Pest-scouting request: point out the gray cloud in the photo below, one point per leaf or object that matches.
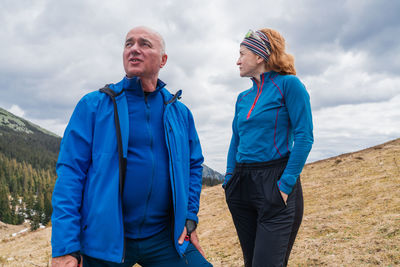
(347, 54)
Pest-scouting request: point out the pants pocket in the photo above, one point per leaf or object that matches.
(279, 196)
(230, 181)
(273, 203)
(231, 185)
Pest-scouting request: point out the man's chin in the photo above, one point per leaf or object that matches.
(132, 74)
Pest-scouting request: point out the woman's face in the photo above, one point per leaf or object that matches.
(249, 63)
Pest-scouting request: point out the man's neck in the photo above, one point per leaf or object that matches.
(149, 85)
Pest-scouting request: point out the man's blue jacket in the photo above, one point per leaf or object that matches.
(87, 204)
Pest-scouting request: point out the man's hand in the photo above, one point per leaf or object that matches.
(193, 239)
(284, 196)
(64, 261)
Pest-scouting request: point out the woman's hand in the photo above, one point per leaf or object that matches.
(284, 196)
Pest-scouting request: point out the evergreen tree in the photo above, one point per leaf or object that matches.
(47, 208)
(35, 222)
(5, 211)
(37, 213)
(29, 206)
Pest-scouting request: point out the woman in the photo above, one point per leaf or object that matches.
(272, 137)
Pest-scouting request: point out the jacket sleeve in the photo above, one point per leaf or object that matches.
(231, 160)
(72, 166)
(196, 171)
(298, 105)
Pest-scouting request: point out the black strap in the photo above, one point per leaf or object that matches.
(122, 160)
(77, 256)
(174, 97)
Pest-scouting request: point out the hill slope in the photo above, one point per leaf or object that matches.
(351, 218)
(26, 142)
(351, 213)
(28, 156)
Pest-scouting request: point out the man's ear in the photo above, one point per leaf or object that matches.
(163, 60)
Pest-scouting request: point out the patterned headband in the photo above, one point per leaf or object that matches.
(258, 43)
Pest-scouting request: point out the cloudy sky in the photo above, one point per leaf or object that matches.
(347, 54)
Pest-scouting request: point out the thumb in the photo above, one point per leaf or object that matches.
(182, 237)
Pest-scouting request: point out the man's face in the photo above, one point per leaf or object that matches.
(142, 54)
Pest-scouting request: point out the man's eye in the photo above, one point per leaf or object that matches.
(128, 44)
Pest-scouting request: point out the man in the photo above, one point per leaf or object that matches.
(129, 171)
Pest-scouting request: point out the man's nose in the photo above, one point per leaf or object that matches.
(134, 49)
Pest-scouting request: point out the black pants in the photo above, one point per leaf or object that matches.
(266, 226)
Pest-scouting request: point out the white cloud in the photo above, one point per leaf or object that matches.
(348, 128)
(346, 81)
(16, 110)
(346, 53)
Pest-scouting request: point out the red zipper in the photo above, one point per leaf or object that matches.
(259, 91)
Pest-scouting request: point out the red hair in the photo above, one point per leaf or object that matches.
(279, 61)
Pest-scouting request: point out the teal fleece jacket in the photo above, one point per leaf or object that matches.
(272, 120)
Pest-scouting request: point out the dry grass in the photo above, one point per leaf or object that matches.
(27, 249)
(351, 217)
(352, 210)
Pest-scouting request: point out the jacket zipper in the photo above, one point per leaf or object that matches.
(167, 129)
(172, 167)
(121, 161)
(152, 172)
(259, 91)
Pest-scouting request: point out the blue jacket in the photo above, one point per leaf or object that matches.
(87, 205)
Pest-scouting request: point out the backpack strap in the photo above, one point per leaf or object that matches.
(122, 161)
(176, 96)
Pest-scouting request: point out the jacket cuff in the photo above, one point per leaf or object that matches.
(228, 176)
(286, 183)
(193, 217)
(62, 251)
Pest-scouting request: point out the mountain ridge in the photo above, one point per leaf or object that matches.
(19, 124)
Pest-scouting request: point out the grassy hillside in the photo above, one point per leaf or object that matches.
(351, 218)
(351, 213)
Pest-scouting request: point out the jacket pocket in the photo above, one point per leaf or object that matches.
(183, 247)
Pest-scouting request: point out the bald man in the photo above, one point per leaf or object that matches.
(129, 171)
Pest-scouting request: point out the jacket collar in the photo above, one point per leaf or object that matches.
(133, 84)
(265, 75)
